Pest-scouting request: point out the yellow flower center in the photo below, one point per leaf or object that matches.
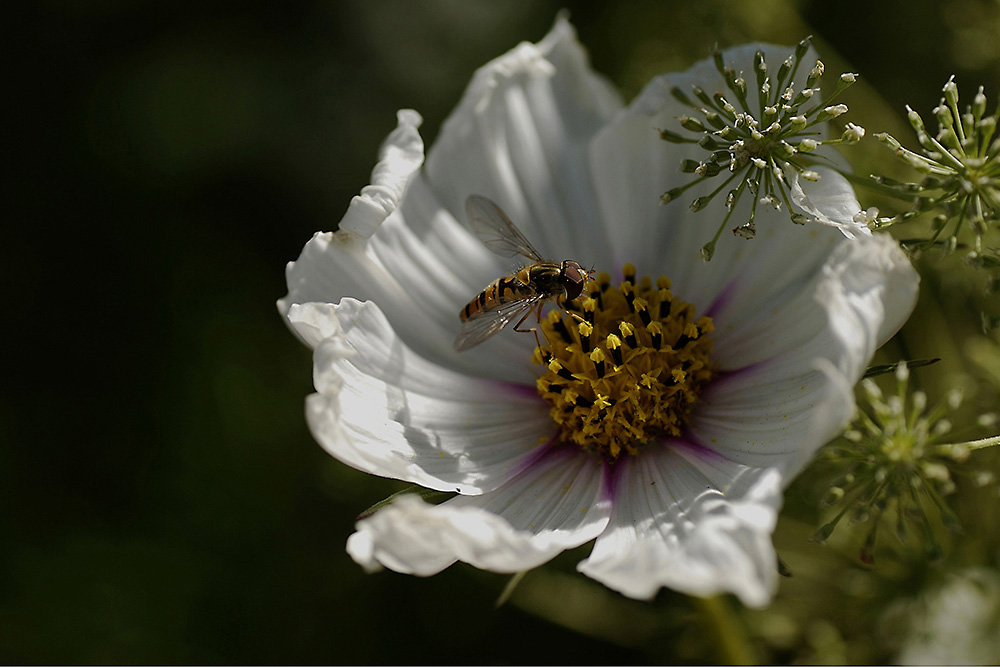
(625, 365)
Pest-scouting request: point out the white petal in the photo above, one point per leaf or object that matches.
(690, 520)
(829, 201)
(401, 269)
(557, 504)
(401, 155)
(855, 297)
(561, 498)
(412, 537)
(381, 408)
(762, 421)
(520, 136)
(334, 265)
(404, 252)
(779, 402)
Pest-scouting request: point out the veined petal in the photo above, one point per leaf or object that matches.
(688, 519)
(413, 537)
(781, 422)
(381, 408)
(851, 301)
(405, 252)
(828, 201)
(401, 269)
(334, 265)
(562, 498)
(780, 403)
(558, 503)
(520, 136)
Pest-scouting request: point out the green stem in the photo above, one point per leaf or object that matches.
(984, 443)
(734, 646)
(866, 182)
(508, 589)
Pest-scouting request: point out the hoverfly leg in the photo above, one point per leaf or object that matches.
(537, 310)
(561, 302)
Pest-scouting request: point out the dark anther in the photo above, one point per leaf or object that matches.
(564, 373)
(560, 328)
(644, 316)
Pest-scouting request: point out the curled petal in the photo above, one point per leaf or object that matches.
(793, 361)
(520, 136)
(557, 504)
(381, 408)
(829, 200)
(401, 155)
(689, 519)
(413, 537)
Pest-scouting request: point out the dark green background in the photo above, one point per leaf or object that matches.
(162, 498)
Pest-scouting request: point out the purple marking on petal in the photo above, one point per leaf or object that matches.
(518, 389)
(610, 479)
(613, 474)
(734, 374)
(542, 452)
(691, 444)
(722, 299)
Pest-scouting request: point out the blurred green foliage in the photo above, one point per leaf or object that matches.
(164, 502)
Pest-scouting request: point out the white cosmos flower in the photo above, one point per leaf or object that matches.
(691, 501)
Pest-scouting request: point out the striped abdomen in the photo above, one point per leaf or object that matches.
(500, 291)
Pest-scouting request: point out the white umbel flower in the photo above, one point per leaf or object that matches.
(691, 502)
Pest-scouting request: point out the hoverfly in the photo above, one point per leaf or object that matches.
(518, 294)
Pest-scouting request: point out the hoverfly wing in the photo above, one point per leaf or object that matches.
(496, 230)
(486, 323)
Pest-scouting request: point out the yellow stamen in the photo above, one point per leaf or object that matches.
(648, 392)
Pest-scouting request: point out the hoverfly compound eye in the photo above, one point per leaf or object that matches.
(573, 278)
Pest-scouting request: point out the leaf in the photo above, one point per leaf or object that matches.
(430, 495)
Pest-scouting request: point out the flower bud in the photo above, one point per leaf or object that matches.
(691, 124)
(979, 104)
(950, 90)
(852, 134)
(700, 203)
(673, 138)
(689, 166)
(836, 110)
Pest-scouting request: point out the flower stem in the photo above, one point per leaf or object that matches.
(508, 589)
(984, 443)
(734, 646)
